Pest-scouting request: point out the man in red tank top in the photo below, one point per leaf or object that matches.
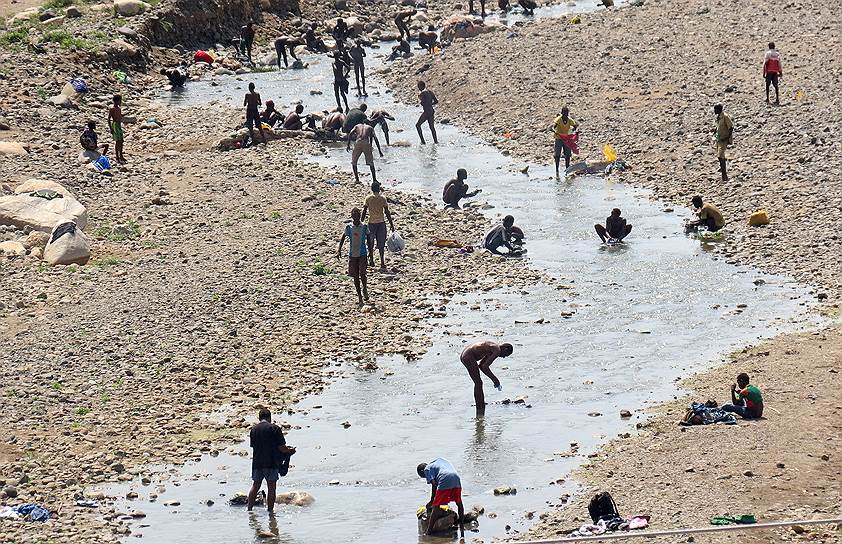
(772, 71)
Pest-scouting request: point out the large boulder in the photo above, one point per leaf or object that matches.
(129, 8)
(67, 245)
(32, 185)
(12, 148)
(24, 210)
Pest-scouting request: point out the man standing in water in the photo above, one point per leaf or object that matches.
(477, 357)
(340, 79)
(566, 135)
(252, 104)
(358, 59)
(364, 134)
(724, 137)
(287, 42)
(428, 100)
(268, 445)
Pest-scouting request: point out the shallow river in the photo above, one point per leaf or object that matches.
(643, 315)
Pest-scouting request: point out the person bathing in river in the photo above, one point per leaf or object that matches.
(334, 121)
(428, 101)
(340, 79)
(401, 20)
(477, 357)
(379, 117)
(505, 235)
(364, 135)
(402, 49)
(176, 76)
(709, 216)
(357, 54)
(615, 228)
(287, 42)
(446, 488)
(456, 189)
(566, 131)
(428, 39)
(746, 399)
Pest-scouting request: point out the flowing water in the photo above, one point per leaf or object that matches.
(628, 323)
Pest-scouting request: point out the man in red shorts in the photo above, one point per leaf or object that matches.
(446, 488)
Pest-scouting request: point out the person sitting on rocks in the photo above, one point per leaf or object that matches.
(379, 117)
(313, 42)
(270, 115)
(428, 39)
(294, 120)
(401, 50)
(456, 189)
(747, 401)
(287, 42)
(176, 76)
(401, 20)
(615, 228)
(89, 141)
(501, 236)
(709, 216)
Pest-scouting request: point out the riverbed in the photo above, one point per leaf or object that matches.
(615, 330)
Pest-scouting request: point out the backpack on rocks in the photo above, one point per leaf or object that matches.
(602, 506)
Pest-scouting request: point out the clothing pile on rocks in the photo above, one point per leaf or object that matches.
(607, 519)
(707, 414)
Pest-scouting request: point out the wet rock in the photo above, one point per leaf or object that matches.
(296, 498)
(172, 503)
(505, 490)
(625, 414)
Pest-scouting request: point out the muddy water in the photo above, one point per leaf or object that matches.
(615, 332)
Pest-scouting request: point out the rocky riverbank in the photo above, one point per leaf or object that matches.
(784, 467)
(213, 280)
(645, 79)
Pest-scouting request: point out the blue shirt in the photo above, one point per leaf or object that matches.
(443, 474)
(358, 238)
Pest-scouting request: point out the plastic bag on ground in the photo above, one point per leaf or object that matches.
(395, 242)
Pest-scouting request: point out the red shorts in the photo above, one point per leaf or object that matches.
(447, 496)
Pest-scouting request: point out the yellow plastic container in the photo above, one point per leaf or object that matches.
(758, 218)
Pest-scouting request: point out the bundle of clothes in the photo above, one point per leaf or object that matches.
(606, 518)
(27, 512)
(707, 414)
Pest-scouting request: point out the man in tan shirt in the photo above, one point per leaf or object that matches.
(377, 209)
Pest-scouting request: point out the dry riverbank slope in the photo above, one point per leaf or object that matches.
(646, 79)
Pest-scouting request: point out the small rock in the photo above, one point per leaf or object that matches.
(748, 473)
(798, 529)
(10, 492)
(505, 490)
(172, 503)
(346, 424)
(72, 12)
(625, 414)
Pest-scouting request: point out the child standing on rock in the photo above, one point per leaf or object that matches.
(357, 234)
(115, 123)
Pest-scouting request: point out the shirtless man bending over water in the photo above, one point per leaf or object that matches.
(477, 357)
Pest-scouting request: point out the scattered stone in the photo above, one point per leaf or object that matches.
(505, 490)
(625, 414)
(10, 492)
(72, 12)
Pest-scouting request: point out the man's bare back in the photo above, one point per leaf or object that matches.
(478, 352)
